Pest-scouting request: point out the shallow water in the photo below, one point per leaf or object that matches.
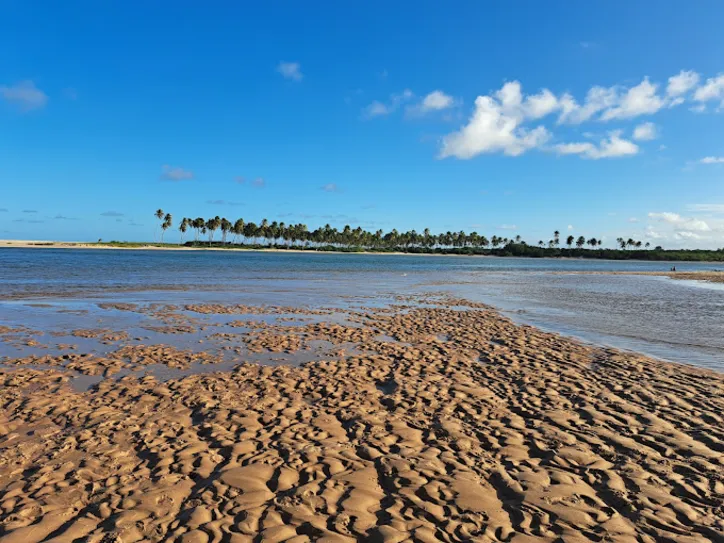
(52, 289)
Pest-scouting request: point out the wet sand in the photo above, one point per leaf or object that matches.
(711, 276)
(445, 422)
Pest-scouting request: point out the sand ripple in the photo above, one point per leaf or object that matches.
(465, 427)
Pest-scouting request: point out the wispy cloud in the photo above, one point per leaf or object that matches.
(259, 183)
(645, 132)
(64, 218)
(686, 223)
(290, 70)
(435, 101)
(330, 187)
(223, 203)
(112, 214)
(30, 210)
(706, 208)
(175, 173)
(24, 95)
(378, 109)
(712, 89)
(712, 160)
(706, 229)
(612, 147)
(239, 180)
(3, 210)
(29, 221)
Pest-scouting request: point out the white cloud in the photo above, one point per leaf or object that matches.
(713, 89)
(633, 220)
(24, 95)
(684, 234)
(495, 126)
(645, 132)
(377, 108)
(682, 83)
(597, 99)
(652, 233)
(541, 104)
(706, 208)
(570, 227)
(330, 187)
(688, 231)
(259, 183)
(685, 223)
(437, 100)
(712, 160)
(290, 70)
(175, 173)
(613, 147)
(501, 120)
(533, 106)
(639, 100)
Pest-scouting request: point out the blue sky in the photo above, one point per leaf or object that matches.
(599, 118)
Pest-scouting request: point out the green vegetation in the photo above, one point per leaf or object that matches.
(280, 236)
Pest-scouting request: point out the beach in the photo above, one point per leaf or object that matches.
(436, 419)
(211, 397)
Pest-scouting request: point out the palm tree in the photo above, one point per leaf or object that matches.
(225, 228)
(166, 224)
(569, 241)
(238, 229)
(580, 242)
(556, 238)
(211, 226)
(182, 228)
(250, 231)
(159, 215)
(199, 224)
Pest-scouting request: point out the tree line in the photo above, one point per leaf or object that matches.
(241, 232)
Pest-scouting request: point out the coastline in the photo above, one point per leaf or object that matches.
(447, 419)
(132, 246)
(20, 244)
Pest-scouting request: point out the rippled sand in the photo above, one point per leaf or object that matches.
(450, 423)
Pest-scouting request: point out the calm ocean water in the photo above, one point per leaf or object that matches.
(682, 321)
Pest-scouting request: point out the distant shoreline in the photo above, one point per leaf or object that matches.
(614, 255)
(20, 244)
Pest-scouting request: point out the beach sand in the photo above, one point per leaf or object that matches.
(451, 423)
(714, 276)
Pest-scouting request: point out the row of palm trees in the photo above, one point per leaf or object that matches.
(280, 233)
